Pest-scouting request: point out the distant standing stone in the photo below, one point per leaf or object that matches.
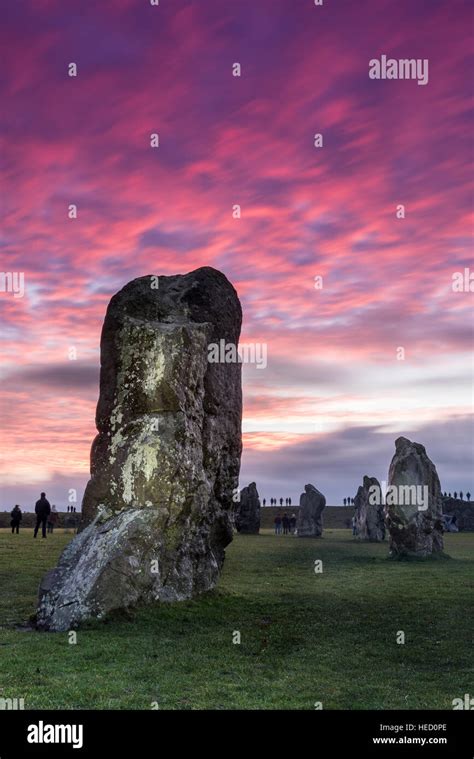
(369, 511)
(310, 520)
(414, 529)
(462, 510)
(247, 519)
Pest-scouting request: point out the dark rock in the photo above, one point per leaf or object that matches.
(450, 523)
(247, 518)
(413, 502)
(157, 509)
(310, 520)
(369, 511)
(462, 510)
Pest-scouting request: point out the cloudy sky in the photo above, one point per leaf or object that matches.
(335, 393)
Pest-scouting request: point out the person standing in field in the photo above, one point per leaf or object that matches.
(286, 524)
(277, 521)
(52, 519)
(293, 523)
(42, 510)
(16, 516)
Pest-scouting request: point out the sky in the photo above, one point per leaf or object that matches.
(337, 390)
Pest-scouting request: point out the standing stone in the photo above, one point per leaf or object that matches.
(310, 519)
(415, 524)
(462, 511)
(157, 511)
(369, 511)
(247, 518)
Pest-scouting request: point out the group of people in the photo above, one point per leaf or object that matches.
(46, 517)
(285, 524)
(273, 501)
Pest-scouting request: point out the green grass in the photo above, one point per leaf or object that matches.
(305, 637)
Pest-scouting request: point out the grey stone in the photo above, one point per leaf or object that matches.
(369, 511)
(157, 511)
(414, 530)
(462, 510)
(450, 523)
(247, 517)
(310, 520)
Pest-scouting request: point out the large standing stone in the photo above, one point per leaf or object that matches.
(247, 518)
(310, 519)
(369, 511)
(157, 509)
(414, 517)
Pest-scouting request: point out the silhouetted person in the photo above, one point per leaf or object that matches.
(468, 496)
(264, 501)
(460, 495)
(286, 524)
(293, 523)
(345, 501)
(455, 494)
(16, 516)
(277, 521)
(289, 501)
(354, 526)
(52, 519)
(281, 501)
(42, 510)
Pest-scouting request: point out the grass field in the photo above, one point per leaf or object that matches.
(305, 637)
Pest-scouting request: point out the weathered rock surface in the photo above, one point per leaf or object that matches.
(369, 511)
(157, 511)
(310, 519)
(416, 528)
(450, 523)
(247, 517)
(462, 510)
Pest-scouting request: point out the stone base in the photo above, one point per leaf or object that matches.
(120, 561)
